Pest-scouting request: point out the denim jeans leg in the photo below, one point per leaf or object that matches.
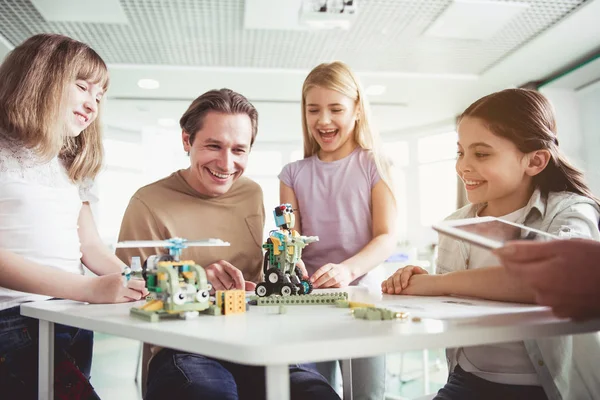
(306, 384)
(179, 375)
(329, 370)
(78, 344)
(463, 385)
(18, 355)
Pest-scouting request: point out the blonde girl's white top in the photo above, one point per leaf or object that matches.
(39, 211)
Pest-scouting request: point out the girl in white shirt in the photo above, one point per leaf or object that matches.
(511, 165)
(51, 89)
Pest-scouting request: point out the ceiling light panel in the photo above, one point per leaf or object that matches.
(386, 36)
(474, 19)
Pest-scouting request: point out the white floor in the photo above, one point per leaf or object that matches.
(115, 360)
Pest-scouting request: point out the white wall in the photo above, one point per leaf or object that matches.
(569, 129)
(578, 120)
(589, 108)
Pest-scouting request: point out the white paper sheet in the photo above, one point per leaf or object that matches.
(447, 308)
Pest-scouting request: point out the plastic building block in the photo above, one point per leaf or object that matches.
(352, 304)
(377, 314)
(178, 289)
(301, 300)
(231, 301)
(283, 250)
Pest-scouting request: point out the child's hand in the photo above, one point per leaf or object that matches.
(139, 285)
(425, 285)
(399, 281)
(332, 276)
(109, 289)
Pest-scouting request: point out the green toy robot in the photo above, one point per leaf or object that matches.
(283, 251)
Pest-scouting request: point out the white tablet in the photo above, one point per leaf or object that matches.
(489, 232)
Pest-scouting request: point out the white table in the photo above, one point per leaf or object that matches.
(303, 334)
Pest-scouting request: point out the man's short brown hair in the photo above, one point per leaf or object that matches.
(224, 101)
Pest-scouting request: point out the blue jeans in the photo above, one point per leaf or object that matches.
(19, 358)
(178, 375)
(466, 386)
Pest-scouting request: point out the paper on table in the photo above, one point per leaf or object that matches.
(454, 307)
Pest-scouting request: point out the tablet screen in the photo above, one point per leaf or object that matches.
(502, 232)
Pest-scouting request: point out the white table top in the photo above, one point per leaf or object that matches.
(308, 333)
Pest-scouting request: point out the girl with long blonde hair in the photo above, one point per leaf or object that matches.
(51, 91)
(342, 192)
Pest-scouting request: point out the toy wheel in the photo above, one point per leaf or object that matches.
(298, 272)
(287, 289)
(307, 286)
(273, 276)
(262, 290)
(266, 261)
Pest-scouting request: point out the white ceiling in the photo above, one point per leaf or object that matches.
(192, 46)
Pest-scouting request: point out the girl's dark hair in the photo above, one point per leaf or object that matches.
(526, 118)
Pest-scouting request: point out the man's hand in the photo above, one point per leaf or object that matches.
(332, 276)
(564, 274)
(224, 276)
(399, 281)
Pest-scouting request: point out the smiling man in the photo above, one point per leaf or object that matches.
(211, 199)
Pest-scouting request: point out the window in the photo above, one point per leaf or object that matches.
(115, 188)
(436, 180)
(264, 162)
(398, 155)
(437, 191)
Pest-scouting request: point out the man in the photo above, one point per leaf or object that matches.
(564, 274)
(211, 199)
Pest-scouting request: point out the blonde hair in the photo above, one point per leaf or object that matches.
(34, 83)
(339, 77)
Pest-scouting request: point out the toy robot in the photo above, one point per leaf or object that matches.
(178, 288)
(283, 250)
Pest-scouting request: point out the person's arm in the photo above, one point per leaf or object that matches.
(496, 283)
(95, 255)
(374, 253)
(18, 273)
(491, 283)
(384, 233)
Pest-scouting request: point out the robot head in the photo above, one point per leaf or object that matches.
(284, 216)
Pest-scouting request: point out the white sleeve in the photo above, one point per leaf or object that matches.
(88, 191)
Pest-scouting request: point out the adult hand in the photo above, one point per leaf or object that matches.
(224, 276)
(110, 289)
(564, 274)
(332, 276)
(399, 279)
